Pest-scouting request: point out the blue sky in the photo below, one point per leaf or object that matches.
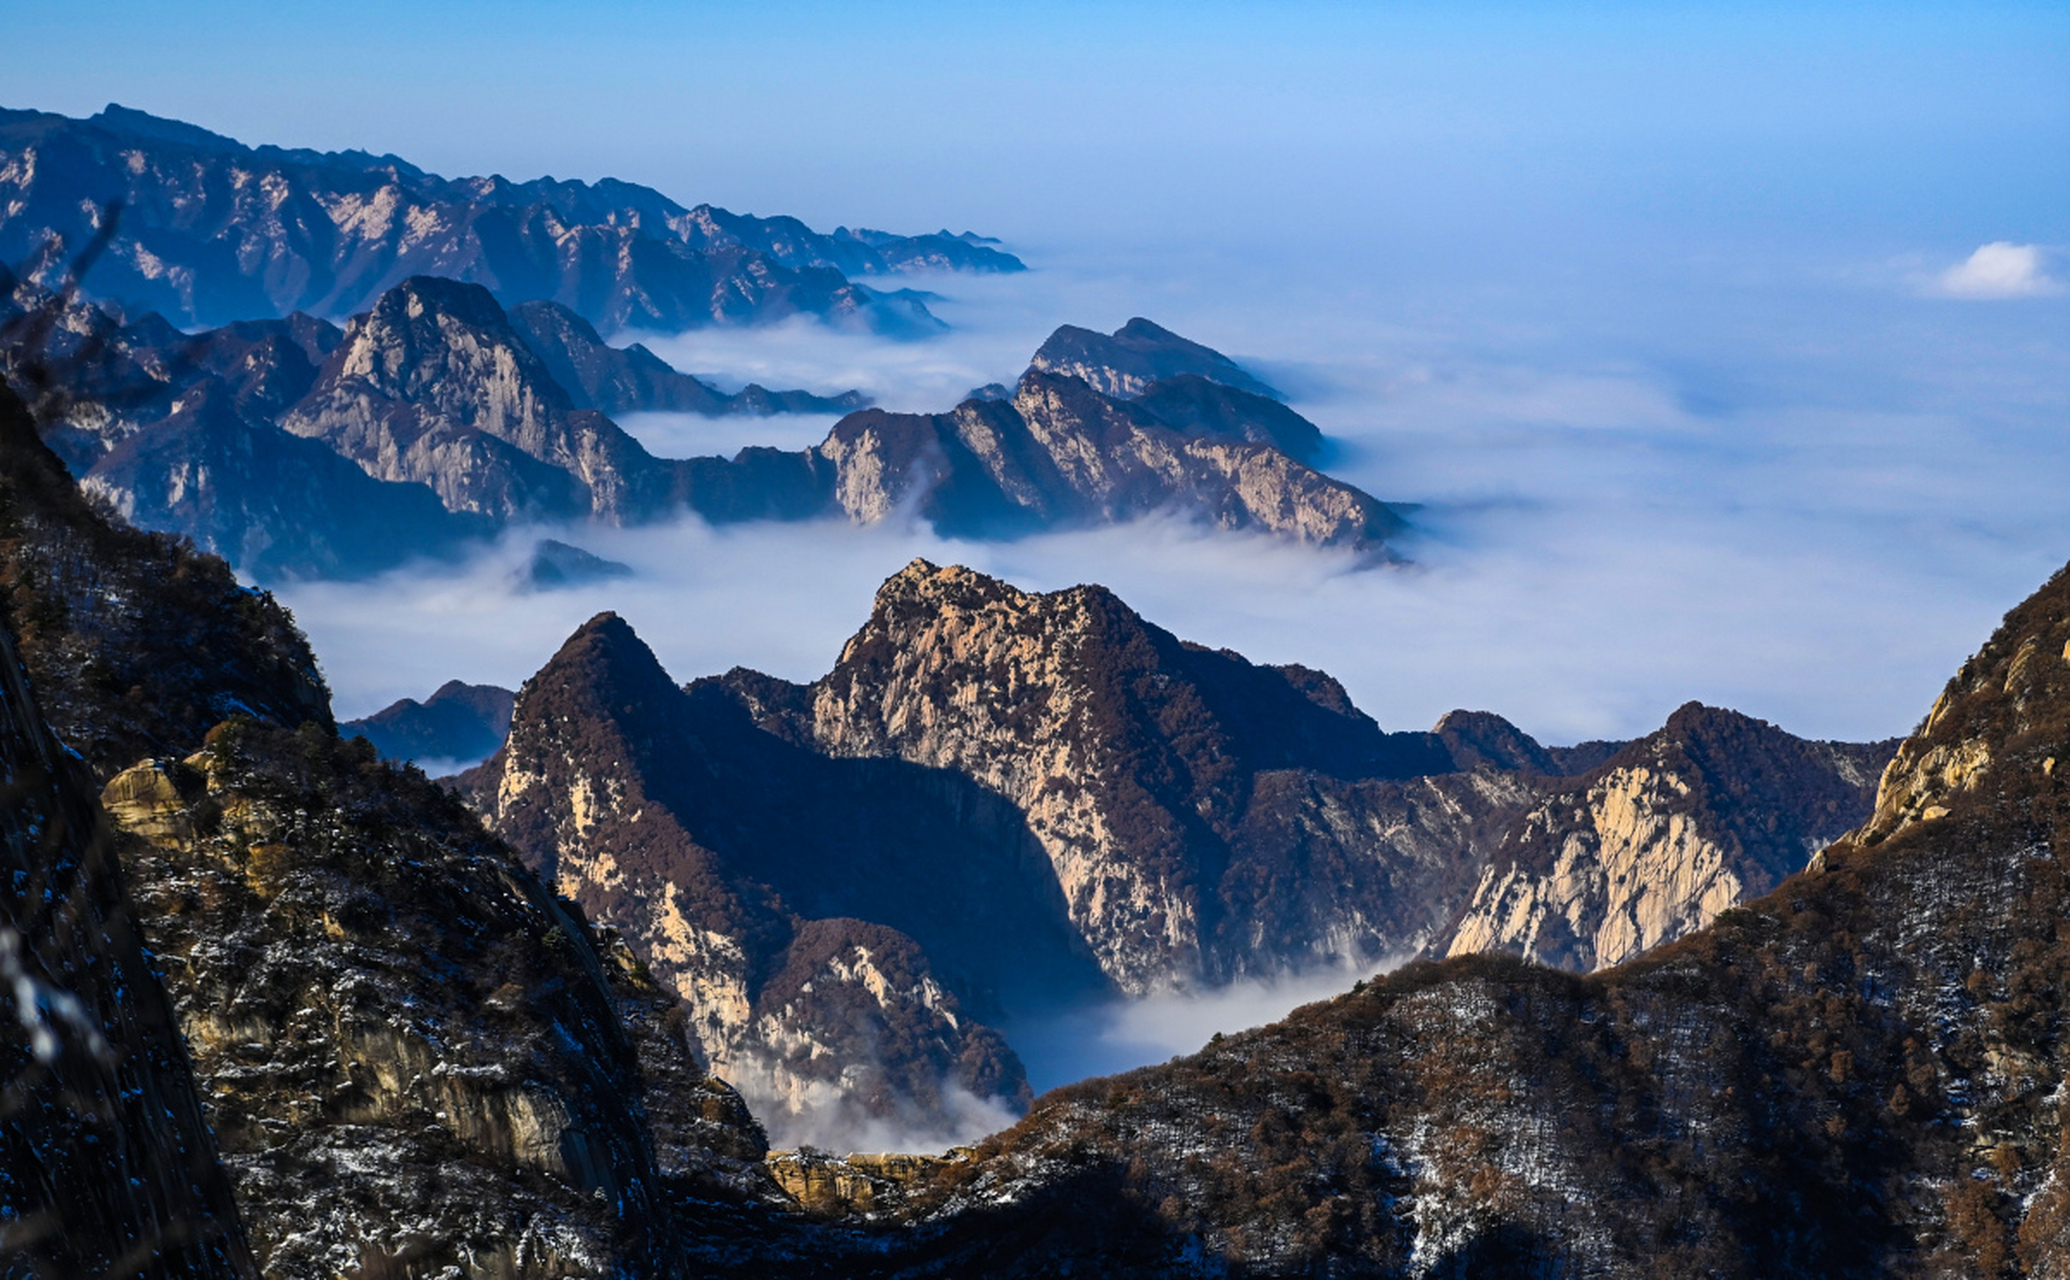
(1933, 121)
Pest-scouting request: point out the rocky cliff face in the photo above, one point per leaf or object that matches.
(434, 387)
(496, 414)
(410, 1051)
(276, 505)
(1183, 817)
(1711, 810)
(414, 1059)
(216, 231)
(1859, 1074)
(831, 926)
(1158, 777)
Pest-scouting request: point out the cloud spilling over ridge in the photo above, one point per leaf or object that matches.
(826, 1120)
(2000, 269)
(1124, 1034)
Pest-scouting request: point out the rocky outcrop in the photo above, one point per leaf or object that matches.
(831, 926)
(1126, 362)
(414, 1059)
(1166, 783)
(1060, 454)
(458, 721)
(214, 231)
(1713, 809)
(434, 387)
(410, 1052)
(1859, 1074)
(1185, 819)
(438, 388)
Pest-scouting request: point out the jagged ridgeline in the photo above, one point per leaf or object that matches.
(295, 448)
(214, 231)
(1000, 805)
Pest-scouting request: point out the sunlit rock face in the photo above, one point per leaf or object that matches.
(1060, 453)
(1177, 792)
(1710, 810)
(434, 387)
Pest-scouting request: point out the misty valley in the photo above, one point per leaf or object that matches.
(486, 801)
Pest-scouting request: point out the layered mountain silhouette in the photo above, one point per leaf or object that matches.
(214, 231)
(1183, 817)
(458, 722)
(235, 437)
(416, 1059)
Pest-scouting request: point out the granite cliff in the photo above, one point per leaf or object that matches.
(237, 437)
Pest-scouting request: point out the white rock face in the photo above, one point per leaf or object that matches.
(1630, 874)
(1714, 809)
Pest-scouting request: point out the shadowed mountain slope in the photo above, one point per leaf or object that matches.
(457, 722)
(831, 924)
(1856, 1075)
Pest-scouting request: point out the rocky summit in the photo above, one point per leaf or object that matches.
(1175, 818)
(213, 231)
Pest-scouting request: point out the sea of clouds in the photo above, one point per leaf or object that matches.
(1802, 488)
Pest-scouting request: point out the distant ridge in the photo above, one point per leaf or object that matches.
(213, 230)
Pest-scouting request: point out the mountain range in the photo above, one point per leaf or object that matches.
(276, 1008)
(1041, 801)
(212, 231)
(299, 449)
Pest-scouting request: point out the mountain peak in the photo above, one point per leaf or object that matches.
(115, 116)
(1126, 362)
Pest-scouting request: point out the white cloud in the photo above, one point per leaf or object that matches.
(2000, 269)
